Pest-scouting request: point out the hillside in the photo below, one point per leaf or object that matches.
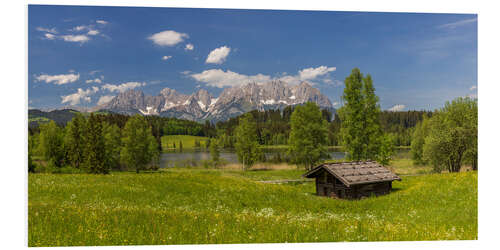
(61, 117)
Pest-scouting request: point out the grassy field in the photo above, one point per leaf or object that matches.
(188, 141)
(179, 206)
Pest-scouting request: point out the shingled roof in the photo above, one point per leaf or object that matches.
(353, 173)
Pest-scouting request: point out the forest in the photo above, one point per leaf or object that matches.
(273, 126)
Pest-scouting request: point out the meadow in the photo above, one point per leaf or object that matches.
(198, 206)
(188, 141)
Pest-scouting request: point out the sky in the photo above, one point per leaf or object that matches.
(84, 55)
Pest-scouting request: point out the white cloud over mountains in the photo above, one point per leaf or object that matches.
(218, 55)
(79, 96)
(220, 78)
(313, 73)
(397, 107)
(58, 79)
(105, 99)
(168, 38)
(123, 87)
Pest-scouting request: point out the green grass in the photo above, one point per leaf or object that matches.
(195, 206)
(188, 141)
(405, 166)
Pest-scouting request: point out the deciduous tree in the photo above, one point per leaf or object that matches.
(452, 135)
(360, 124)
(51, 143)
(139, 146)
(247, 145)
(308, 136)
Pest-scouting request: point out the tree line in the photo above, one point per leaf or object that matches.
(94, 145)
(273, 127)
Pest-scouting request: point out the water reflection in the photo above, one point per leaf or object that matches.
(196, 156)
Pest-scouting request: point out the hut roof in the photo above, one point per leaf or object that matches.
(353, 173)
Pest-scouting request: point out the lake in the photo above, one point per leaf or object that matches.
(194, 157)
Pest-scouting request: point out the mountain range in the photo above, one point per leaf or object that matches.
(201, 105)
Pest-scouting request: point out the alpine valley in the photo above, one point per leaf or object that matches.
(201, 105)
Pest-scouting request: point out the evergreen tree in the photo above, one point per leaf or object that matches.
(95, 151)
(247, 145)
(139, 145)
(51, 144)
(308, 136)
(74, 141)
(112, 144)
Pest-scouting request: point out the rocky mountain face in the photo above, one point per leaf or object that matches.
(203, 106)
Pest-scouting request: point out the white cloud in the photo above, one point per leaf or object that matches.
(102, 22)
(164, 58)
(336, 104)
(58, 79)
(80, 28)
(105, 99)
(94, 71)
(97, 80)
(219, 78)
(50, 36)
(334, 83)
(42, 29)
(473, 88)
(93, 32)
(313, 73)
(397, 107)
(168, 38)
(218, 55)
(75, 38)
(189, 46)
(123, 87)
(80, 95)
(457, 24)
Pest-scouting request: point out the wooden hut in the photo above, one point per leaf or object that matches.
(352, 180)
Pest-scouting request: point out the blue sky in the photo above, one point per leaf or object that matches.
(83, 55)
